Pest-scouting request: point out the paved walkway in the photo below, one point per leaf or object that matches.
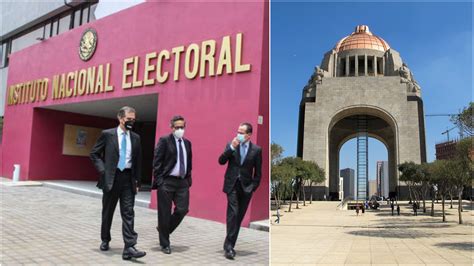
(40, 225)
(319, 234)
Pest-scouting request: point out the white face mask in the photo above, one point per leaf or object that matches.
(179, 133)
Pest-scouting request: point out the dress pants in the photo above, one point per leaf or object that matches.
(173, 190)
(121, 190)
(237, 203)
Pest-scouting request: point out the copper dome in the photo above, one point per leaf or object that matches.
(362, 38)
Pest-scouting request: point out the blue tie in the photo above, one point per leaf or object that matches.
(123, 152)
(243, 152)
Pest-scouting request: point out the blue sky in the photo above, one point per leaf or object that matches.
(434, 39)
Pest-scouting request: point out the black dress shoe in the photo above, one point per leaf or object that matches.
(132, 252)
(166, 250)
(230, 254)
(104, 246)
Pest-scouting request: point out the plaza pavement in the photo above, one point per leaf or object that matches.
(320, 234)
(41, 225)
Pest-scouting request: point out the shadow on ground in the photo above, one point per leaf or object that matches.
(177, 249)
(456, 246)
(390, 233)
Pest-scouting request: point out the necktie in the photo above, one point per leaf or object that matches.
(123, 152)
(243, 152)
(181, 160)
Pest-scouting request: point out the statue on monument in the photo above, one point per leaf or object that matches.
(406, 76)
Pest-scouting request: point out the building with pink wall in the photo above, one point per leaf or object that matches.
(205, 61)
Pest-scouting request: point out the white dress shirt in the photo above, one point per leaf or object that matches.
(128, 157)
(175, 171)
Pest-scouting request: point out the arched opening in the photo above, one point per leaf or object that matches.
(377, 167)
(380, 127)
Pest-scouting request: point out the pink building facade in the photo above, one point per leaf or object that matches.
(205, 61)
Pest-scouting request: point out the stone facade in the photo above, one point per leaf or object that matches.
(389, 98)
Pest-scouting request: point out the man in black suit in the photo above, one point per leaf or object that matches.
(242, 177)
(172, 166)
(117, 157)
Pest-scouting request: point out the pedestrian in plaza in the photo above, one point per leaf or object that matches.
(172, 165)
(357, 209)
(415, 207)
(393, 207)
(242, 178)
(278, 217)
(398, 210)
(117, 157)
(363, 209)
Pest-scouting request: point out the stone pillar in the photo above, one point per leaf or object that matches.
(347, 65)
(356, 65)
(383, 65)
(365, 65)
(336, 63)
(375, 65)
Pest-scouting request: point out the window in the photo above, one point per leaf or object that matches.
(380, 66)
(3, 52)
(361, 65)
(26, 40)
(77, 18)
(352, 66)
(342, 67)
(64, 23)
(370, 65)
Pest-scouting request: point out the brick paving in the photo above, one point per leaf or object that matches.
(319, 234)
(40, 225)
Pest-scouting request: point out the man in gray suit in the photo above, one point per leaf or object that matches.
(117, 157)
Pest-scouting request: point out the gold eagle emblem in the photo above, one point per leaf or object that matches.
(87, 44)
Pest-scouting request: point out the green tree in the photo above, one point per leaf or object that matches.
(416, 177)
(302, 172)
(440, 173)
(462, 169)
(276, 152)
(281, 175)
(317, 176)
(464, 120)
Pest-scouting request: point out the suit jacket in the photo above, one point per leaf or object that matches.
(165, 159)
(250, 172)
(105, 156)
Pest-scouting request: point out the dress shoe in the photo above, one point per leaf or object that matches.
(132, 252)
(104, 246)
(166, 250)
(230, 254)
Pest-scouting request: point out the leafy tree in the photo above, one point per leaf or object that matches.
(464, 120)
(462, 169)
(281, 176)
(416, 177)
(440, 173)
(317, 176)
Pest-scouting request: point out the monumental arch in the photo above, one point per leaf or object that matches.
(362, 89)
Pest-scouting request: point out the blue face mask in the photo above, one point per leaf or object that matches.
(241, 138)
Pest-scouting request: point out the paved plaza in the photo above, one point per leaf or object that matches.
(41, 225)
(320, 234)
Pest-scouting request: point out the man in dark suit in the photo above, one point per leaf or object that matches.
(242, 177)
(172, 166)
(117, 157)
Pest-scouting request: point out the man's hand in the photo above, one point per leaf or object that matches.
(235, 142)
